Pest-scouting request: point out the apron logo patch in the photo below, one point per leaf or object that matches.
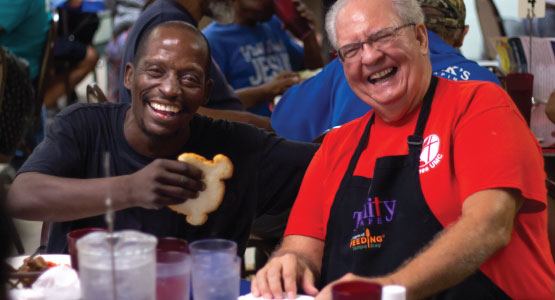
(374, 212)
(430, 156)
(366, 241)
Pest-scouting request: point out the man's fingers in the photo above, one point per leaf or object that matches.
(178, 193)
(183, 181)
(183, 169)
(274, 281)
(261, 287)
(308, 283)
(290, 282)
(163, 201)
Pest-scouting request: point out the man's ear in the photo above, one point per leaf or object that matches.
(128, 76)
(458, 42)
(209, 84)
(421, 37)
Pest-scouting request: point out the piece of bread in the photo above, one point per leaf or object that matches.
(215, 172)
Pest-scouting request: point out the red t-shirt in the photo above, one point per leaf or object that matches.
(475, 139)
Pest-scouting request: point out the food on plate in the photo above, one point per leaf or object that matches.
(30, 270)
(215, 172)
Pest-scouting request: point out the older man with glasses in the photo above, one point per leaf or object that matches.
(415, 193)
(307, 110)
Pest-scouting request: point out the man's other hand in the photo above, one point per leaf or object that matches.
(287, 268)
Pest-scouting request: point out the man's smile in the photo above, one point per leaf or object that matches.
(382, 75)
(164, 111)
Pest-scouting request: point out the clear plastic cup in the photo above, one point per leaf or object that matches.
(173, 269)
(134, 273)
(216, 269)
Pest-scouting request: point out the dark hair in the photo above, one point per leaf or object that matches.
(142, 44)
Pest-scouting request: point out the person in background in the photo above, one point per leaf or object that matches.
(257, 56)
(126, 12)
(169, 80)
(223, 103)
(320, 103)
(414, 193)
(23, 28)
(74, 54)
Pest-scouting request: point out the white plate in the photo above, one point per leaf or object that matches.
(59, 259)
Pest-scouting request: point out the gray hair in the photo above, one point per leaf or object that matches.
(408, 10)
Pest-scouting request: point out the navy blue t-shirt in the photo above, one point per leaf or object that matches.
(222, 95)
(267, 173)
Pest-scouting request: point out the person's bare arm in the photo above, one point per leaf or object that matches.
(253, 96)
(312, 53)
(36, 196)
(312, 50)
(484, 228)
(297, 263)
(237, 116)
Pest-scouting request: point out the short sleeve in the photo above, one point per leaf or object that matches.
(12, 13)
(494, 148)
(58, 154)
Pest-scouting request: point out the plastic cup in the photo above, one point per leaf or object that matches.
(294, 22)
(129, 274)
(214, 247)
(520, 87)
(72, 238)
(217, 269)
(173, 269)
(356, 290)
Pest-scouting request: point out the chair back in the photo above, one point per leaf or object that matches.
(46, 62)
(95, 94)
(491, 25)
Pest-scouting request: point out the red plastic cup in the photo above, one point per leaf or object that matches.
(173, 269)
(72, 238)
(356, 290)
(520, 87)
(294, 22)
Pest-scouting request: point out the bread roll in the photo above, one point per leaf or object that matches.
(215, 172)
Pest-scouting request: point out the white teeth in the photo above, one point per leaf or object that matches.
(381, 74)
(161, 107)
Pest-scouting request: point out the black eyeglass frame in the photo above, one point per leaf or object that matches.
(374, 37)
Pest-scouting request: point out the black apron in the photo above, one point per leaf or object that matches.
(376, 224)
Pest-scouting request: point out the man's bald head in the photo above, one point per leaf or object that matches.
(149, 35)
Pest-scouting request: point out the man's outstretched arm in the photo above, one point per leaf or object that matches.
(36, 196)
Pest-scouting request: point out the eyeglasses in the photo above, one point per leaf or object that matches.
(378, 40)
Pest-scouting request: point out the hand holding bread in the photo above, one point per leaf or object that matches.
(161, 183)
(215, 172)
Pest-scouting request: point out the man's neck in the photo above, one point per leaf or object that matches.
(193, 7)
(152, 146)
